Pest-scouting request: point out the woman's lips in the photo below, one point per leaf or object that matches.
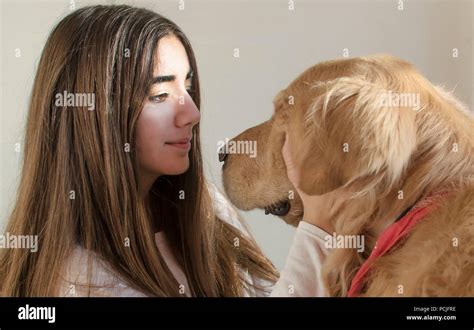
(182, 144)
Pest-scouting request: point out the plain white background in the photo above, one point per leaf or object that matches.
(275, 45)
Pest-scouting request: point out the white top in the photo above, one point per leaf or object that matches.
(301, 275)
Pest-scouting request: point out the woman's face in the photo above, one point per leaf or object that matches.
(164, 127)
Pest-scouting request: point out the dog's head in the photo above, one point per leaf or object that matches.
(350, 122)
(259, 180)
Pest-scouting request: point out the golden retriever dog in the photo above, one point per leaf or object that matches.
(378, 128)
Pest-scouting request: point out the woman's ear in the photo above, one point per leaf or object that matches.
(352, 130)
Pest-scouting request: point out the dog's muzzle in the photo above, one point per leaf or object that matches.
(222, 154)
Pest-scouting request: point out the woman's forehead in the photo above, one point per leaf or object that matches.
(171, 57)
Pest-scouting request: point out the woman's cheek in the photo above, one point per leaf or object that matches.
(151, 136)
(155, 127)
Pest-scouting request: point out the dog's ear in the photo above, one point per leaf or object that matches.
(352, 131)
(280, 101)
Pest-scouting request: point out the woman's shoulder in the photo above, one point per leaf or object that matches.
(85, 274)
(227, 212)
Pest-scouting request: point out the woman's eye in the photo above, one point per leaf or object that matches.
(158, 98)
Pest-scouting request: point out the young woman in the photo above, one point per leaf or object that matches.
(114, 189)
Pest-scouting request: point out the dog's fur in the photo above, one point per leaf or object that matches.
(336, 104)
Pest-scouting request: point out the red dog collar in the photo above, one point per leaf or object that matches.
(390, 237)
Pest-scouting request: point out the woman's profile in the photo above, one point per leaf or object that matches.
(107, 182)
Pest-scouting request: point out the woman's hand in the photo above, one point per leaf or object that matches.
(319, 210)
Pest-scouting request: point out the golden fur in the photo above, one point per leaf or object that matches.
(389, 156)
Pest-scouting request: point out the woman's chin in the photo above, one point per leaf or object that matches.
(178, 168)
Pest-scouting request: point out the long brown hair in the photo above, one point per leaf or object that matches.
(79, 182)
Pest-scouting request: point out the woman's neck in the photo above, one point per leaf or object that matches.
(150, 205)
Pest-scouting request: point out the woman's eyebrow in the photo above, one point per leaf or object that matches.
(163, 79)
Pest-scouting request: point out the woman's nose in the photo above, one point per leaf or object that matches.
(188, 113)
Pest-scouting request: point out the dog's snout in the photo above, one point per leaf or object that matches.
(222, 154)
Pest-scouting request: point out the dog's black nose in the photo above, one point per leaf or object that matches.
(222, 154)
